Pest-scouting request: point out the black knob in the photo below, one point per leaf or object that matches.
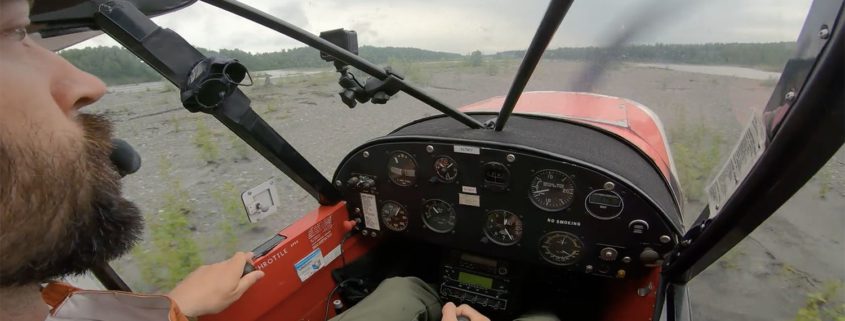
(649, 256)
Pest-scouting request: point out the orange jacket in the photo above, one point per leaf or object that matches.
(69, 303)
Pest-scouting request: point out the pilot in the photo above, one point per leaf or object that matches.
(61, 211)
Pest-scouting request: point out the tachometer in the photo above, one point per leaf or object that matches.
(402, 169)
(560, 248)
(503, 227)
(438, 216)
(445, 168)
(551, 190)
(394, 216)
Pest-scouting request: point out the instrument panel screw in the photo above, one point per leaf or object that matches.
(429, 148)
(365, 154)
(609, 186)
(365, 232)
(357, 210)
(338, 183)
(588, 269)
(824, 33)
(626, 259)
(373, 234)
(510, 158)
(665, 239)
(789, 96)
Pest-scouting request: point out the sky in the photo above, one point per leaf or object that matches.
(462, 26)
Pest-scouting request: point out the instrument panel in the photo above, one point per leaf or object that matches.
(505, 203)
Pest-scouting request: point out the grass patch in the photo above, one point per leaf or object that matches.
(697, 150)
(172, 253)
(412, 71)
(234, 216)
(824, 305)
(730, 261)
(240, 147)
(205, 143)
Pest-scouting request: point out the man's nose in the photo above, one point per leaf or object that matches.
(73, 88)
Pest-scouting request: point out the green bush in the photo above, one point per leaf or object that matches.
(204, 141)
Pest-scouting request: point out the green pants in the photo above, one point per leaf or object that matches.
(408, 299)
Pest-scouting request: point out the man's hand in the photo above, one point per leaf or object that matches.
(451, 313)
(212, 288)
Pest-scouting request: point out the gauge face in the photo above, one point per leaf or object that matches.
(551, 190)
(503, 227)
(394, 216)
(402, 169)
(439, 216)
(496, 176)
(560, 248)
(445, 168)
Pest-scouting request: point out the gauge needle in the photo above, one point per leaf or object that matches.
(508, 233)
(395, 211)
(541, 191)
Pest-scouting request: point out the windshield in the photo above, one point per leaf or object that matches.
(704, 69)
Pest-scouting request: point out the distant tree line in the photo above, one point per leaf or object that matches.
(769, 56)
(117, 66)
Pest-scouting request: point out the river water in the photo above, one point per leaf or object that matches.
(732, 71)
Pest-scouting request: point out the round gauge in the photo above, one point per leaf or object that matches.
(394, 216)
(445, 168)
(496, 176)
(551, 190)
(560, 248)
(604, 204)
(438, 216)
(402, 169)
(503, 227)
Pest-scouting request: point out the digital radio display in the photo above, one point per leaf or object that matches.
(477, 280)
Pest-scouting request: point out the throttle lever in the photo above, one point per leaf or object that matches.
(248, 268)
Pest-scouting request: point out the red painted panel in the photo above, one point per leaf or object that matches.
(625, 302)
(281, 295)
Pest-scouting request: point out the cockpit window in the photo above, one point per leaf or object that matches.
(705, 70)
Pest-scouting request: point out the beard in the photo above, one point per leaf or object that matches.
(61, 208)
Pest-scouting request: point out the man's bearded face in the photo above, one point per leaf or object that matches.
(61, 211)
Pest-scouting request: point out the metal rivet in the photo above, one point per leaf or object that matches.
(338, 183)
(588, 269)
(511, 158)
(626, 259)
(357, 210)
(429, 148)
(790, 95)
(365, 232)
(366, 154)
(609, 186)
(373, 234)
(824, 33)
(665, 239)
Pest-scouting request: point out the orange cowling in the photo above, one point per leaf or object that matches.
(282, 294)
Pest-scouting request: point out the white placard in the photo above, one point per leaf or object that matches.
(261, 201)
(368, 204)
(469, 189)
(467, 149)
(745, 154)
(469, 200)
(310, 264)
